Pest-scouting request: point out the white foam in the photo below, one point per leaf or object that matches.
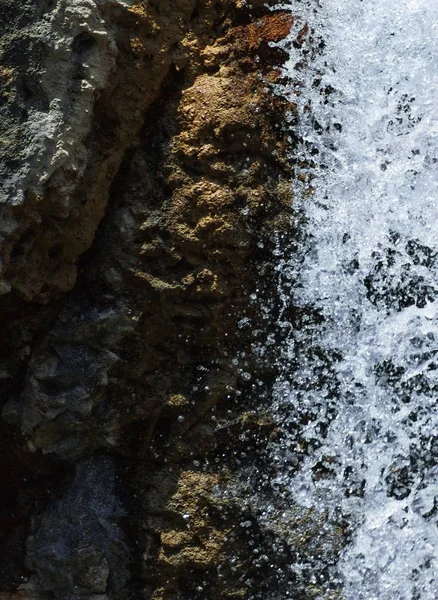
(369, 268)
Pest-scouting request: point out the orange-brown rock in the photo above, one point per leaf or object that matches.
(135, 265)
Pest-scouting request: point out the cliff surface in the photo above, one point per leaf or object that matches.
(144, 179)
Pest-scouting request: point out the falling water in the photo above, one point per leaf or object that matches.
(358, 390)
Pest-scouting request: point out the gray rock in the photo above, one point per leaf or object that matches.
(77, 548)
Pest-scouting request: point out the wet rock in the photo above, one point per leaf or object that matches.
(77, 549)
(145, 176)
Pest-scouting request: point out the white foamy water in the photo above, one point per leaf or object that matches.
(358, 392)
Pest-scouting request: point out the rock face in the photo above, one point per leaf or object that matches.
(144, 179)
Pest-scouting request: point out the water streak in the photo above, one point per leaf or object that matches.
(358, 391)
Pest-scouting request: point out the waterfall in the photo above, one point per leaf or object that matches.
(357, 393)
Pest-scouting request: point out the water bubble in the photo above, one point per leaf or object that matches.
(363, 273)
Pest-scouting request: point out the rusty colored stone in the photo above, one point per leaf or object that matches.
(125, 273)
(269, 28)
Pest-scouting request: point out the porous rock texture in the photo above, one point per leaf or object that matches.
(144, 182)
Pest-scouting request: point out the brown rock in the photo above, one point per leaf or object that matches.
(123, 383)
